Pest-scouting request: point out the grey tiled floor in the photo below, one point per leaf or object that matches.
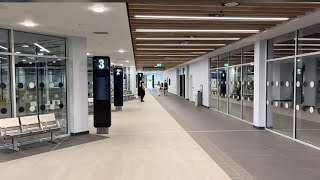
(239, 149)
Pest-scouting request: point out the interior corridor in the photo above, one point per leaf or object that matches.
(145, 142)
(241, 150)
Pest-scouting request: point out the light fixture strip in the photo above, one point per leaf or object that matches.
(39, 46)
(180, 44)
(200, 30)
(190, 39)
(298, 44)
(212, 18)
(172, 49)
(3, 48)
(165, 55)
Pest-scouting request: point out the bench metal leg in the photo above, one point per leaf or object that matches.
(52, 138)
(14, 145)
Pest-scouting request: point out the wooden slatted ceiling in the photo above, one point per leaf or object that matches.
(148, 53)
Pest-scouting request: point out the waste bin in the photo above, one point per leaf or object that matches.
(198, 99)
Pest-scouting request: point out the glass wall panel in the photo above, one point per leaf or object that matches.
(222, 85)
(235, 57)
(309, 40)
(4, 40)
(281, 46)
(214, 88)
(248, 55)
(41, 88)
(214, 62)
(234, 86)
(308, 99)
(5, 87)
(280, 96)
(214, 83)
(37, 44)
(247, 91)
(223, 60)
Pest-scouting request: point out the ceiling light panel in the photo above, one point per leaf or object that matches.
(199, 30)
(212, 18)
(172, 49)
(190, 39)
(180, 44)
(42, 48)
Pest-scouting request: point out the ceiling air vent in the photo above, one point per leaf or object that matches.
(101, 33)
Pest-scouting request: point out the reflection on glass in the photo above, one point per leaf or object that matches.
(308, 99)
(223, 60)
(5, 100)
(4, 40)
(214, 62)
(248, 55)
(41, 88)
(280, 96)
(37, 44)
(222, 86)
(309, 40)
(281, 46)
(235, 57)
(234, 74)
(247, 91)
(214, 88)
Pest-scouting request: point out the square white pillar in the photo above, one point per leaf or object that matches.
(259, 106)
(77, 75)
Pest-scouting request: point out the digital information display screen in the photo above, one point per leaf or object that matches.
(102, 88)
(101, 92)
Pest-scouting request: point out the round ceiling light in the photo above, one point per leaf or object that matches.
(230, 4)
(29, 23)
(99, 9)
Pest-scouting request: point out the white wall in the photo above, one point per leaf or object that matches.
(172, 75)
(133, 80)
(200, 76)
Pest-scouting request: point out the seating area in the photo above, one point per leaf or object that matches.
(14, 128)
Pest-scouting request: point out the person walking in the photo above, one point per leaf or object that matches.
(141, 89)
(158, 88)
(165, 89)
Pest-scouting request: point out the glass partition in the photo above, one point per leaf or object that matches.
(280, 96)
(281, 46)
(41, 87)
(4, 40)
(38, 44)
(5, 87)
(234, 86)
(247, 91)
(309, 40)
(233, 92)
(308, 99)
(214, 83)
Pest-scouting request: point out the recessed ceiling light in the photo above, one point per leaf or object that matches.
(190, 39)
(18, 52)
(88, 54)
(200, 30)
(29, 23)
(127, 61)
(112, 63)
(172, 49)
(121, 51)
(98, 8)
(230, 4)
(25, 45)
(213, 18)
(180, 44)
(121, 64)
(24, 60)
(40, 54)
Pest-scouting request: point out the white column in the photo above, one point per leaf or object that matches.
(77, 85)
(186, 86)
(259, 106)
